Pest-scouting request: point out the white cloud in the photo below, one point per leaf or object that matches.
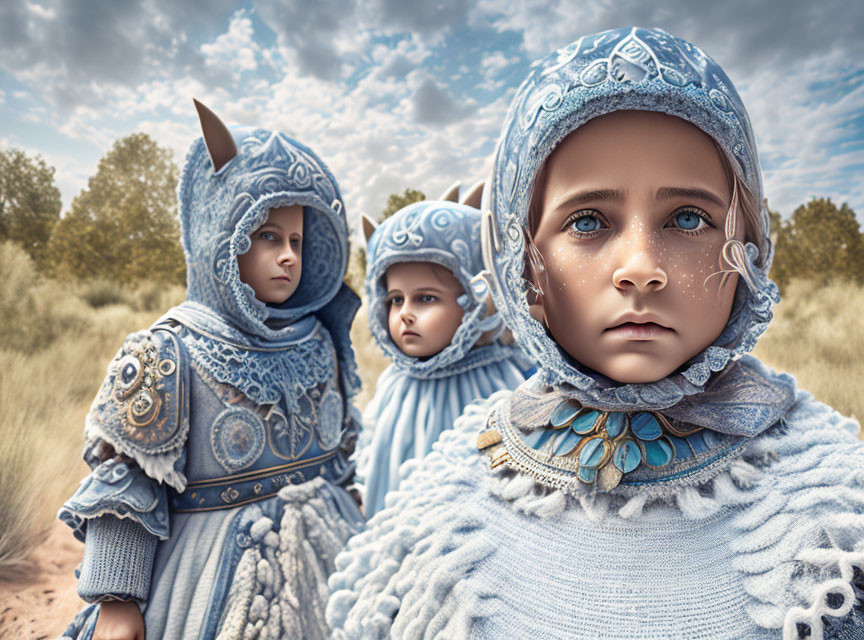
(236, 48)
(801, 130)
(38, 11)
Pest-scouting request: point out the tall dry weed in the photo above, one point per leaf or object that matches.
(44, 396)
(817, 335)
(33, 311)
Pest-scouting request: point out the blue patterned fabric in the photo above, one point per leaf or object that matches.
(417, 398)
(622, 69)
(126, 492)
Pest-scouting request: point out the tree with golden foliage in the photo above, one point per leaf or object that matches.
(29, 201)
(821, 242)
(397, 201)
(123, 226)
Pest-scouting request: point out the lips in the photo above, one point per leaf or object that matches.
(638, 326)
(638, 330)
(408, 334)
(283, 278)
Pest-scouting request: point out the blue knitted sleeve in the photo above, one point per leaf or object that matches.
(120, 514)
(118, 560)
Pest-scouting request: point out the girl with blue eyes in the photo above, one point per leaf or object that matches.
(428, 313)
(652, 480)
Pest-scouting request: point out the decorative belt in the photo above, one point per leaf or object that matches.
(242, 488)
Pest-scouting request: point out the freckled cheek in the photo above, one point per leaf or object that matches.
(569, 267)
(691, 265)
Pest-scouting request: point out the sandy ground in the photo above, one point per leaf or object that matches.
(44, 606)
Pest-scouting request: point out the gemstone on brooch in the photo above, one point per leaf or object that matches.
(129, 374)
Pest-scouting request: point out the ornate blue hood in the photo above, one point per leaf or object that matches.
(622, 69)
(267, 351)
(218, 210)
(445, 233)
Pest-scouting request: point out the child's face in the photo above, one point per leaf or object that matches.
(424, 313)
(633, 209)
(273, 263)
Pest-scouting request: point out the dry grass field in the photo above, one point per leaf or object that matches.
(817, 335)
(56, 341)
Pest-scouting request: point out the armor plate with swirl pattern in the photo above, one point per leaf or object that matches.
(143, 402)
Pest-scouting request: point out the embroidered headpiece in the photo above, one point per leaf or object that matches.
(622, 69)
(221, 205)
(448, 234)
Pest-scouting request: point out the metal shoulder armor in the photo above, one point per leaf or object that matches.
(142, 408)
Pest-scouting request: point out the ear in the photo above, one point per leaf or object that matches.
(452, 193)
(537, 311)
(219, 141)
(369, 227)
(474, 195)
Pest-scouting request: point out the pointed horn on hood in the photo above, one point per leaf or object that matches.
(451, 194)
(219, 141)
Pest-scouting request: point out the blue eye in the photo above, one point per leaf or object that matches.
(267, 235)
(586, 223)
(690, 220)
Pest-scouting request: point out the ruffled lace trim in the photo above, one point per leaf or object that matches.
(116, 489)
(164, 467)
(266, 376)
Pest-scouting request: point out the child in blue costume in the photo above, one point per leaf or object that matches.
(416, 398)
(219, 441)
(651, 480)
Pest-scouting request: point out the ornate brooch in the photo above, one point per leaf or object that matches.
(599, 446)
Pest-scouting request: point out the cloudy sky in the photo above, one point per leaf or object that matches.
(394, 94)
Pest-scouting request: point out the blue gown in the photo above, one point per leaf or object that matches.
(416, 399)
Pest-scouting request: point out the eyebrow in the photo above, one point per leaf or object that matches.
(580, 197)
(666, 193)
(391, 292)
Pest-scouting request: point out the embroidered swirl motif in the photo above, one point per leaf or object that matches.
(142, 400)
(330, 414)
(291, 435)
(237, 438)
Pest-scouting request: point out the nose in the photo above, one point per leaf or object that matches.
(287, 257)
(406, 314)
(639, 267)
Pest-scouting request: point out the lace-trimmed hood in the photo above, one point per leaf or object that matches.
(283, 348)
(219, 209)
(448, 234)
(622, 69)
